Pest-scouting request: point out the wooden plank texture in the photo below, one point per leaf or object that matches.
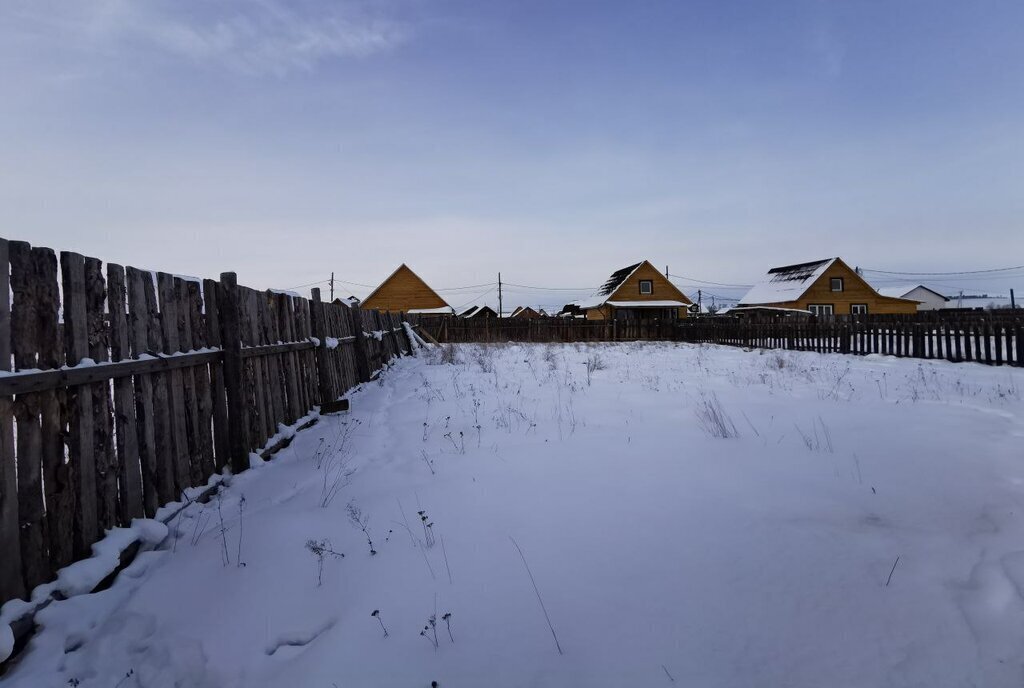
(129, 471)
(12, 584)
(80, 415)
(58, 490)
(102, 425)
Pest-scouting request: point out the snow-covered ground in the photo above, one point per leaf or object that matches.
(691, 515)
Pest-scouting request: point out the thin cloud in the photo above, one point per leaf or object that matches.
(266, 37)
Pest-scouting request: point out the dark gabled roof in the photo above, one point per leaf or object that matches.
(617, 278)
(796, 273)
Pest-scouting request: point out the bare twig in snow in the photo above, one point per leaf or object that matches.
(537, 591)
(893, 569)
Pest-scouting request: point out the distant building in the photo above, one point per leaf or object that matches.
(404, 290)
(350, 301)
(636, 292)
(525, 313)
(927, 299)
(822, 287)
(479, 312)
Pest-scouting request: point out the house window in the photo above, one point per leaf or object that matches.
(646, 287)
(820, 308)
(837, 284)
(859, 309)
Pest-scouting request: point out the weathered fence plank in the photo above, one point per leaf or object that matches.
(80, 437)
(57, 489)
(129, 471)
(25, 345)
(11, 581)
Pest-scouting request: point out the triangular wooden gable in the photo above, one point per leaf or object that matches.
(663, 288)
(403, 290)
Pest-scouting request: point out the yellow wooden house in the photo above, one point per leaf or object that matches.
(822, 287)
(636, 292)
(404, 290)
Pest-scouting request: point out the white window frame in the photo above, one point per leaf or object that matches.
(650, 290)
(821, 308)
(858, 309)
(832, 283)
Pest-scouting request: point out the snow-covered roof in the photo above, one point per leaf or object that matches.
(443, 310)
(786, 283)
(762, 309)
(616, 279)
(647, 304)
(474, 311)
(900, 291)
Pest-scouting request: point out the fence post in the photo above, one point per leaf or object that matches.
(405, 333)
(227, 305)
(323, 373)
(362, 363)
(11, 584)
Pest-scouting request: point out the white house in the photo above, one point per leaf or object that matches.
(929, 299)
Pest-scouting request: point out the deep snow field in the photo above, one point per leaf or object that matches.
(664, 552)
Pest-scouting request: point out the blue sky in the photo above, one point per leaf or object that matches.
(553, 141)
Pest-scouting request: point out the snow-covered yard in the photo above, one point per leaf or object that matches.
(699, 516)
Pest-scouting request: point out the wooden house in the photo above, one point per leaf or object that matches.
(927, 299)
(636, 292)
(405, 291)
(822, 287)
(525, 313)
(479, 312)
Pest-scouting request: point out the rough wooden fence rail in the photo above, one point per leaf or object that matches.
(991, 337)
(120, 388)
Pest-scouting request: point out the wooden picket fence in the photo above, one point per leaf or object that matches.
(994, 338)
(120, 388)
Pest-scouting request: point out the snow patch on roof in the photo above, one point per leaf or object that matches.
(443, 310)
(647, 304)
(786, 283)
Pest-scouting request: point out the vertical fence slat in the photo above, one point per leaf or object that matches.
(193, 429)
(57, 489)
(212, 296)
(175, 383)
(25, 344)
(11, 582)
(80, 415)
(201, 375)
(129, 470)
(102, 425)
(228, 304)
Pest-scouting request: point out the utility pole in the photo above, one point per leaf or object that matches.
(1013, 302)
(698, 298)
(332, 286)
(666, 272)
(500, 311)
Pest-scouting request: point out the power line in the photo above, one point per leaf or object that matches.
(527, 286)
(475, 298)
(717, 284)
(958, 272)
(311, 284)
(469, 286)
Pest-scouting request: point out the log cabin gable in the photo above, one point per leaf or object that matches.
(644, 274)
(403, 290)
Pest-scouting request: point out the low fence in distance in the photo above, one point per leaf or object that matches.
(995, 337)
(120, 388)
